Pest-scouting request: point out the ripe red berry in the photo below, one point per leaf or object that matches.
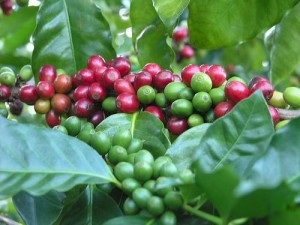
(85, 76)
(204, 67)
(236, 91)
(97, 92)
(187, 52)
(80, 92)
(256, 79)
(274, 114)
(142, 78)
(45, 89)
(52, 118)
(180, 34)
(217, 75)
(28, 94)
(109, 76)
(62, 84)
(188, 72)
(127, 102)
(98, 74)
(5, 92)
(130, 77)
(265, 86)
(95, 62)
(122, 64)
(97, 117)
(177, 125)
(122, 85)
(61, 103)
(162, 78)
(156, 111)
(84, 107)
(152, 68)
(223, 108)
(47, 73)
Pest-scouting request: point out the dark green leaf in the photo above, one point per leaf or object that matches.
(149, 33)
(285, 49)
(17, 28)
(68, 32)
(288, 217)
(92, 207)
(169, 11)
(143, 125)
(237, 138)
(125, 220)
(37, 159)
(215, 24)
(183, 149)
(39, 210)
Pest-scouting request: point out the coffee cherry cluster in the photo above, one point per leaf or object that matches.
(10, 82)
(180, 43)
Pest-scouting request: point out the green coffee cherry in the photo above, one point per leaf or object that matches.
(123, 170)
(101, 142)
(141, 196)
(277, 100)
(61, 129)
(122, 138)
(135, 145)
(130, 207)
(117, 154)
(8, 78)
(73, 125)
(26, 73)
(201, 82)
(291, 96)
(173, 89)
(129, 184)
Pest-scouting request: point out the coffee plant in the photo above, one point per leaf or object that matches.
(149, 112)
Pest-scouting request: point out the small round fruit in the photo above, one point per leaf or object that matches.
(52, 118)
(122, 137)
(202, 101)
(291, 96)
(45, 89)
(173, 200)
(182, 108)
(97, 92)
(168, 218)
(173, 89)
(142, 78)
(96, 117)
(135, 145)
(109, 76)
(274, 114)
(186, 176)
(130, 207)
(188, 72)
(265, 87)
(86, 134)
(217, 95)
(62, 84)
(85, 76)
(156, 111)
(143, 171)
(127, 103)
(180, 34)
(217, 75)
(26, 73)
(95, 62)
(42, 106)
(277, 100)
(8, 78)
(168, 170)
(101, 142)
(129, 184)
(146, 94)
(47, 73)
(223, 108)
(162, 78)
(152, 68)
(160, 100)
(155, 205)
(124, 170)
(141, 196)
(61, 129)
(281, 124)
(236, 91)
(158, 163)
(255, 80)
(187, 51)
(143, 156)
(201, 82)
(195, 120)
(61, 103)
(122, 85)
(122, 64)
(81, 91)
(5, 92)
(117, 154)
(84, 108)
(177, 125)
(186, 93)
(109, 104)
(73, 125)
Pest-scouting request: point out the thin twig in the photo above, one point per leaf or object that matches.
(288, 114)
(8, 221)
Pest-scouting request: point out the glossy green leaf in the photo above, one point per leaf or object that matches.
(39, 210)
(12, 38)
(183, 149)
(93, 207)
(288, 217)
(68, 32)
(169, 11)
(125, 220)
(284, 56)
(215, 24)
(37, 159)
(143, 125)
(149, 33)
(242, 134)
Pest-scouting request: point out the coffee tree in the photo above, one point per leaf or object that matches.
(149, 112)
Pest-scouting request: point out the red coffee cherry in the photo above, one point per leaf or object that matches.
(28, 94)
(156, 111)
(5, 92)
(97, 117)
(84, 107)
(142, 78)
(98, 74)
(80, 92)
(97, 92)
(177, 125)
(204, 67)
(217, 75)
(265, 86)
(95, 62)
(61, 103)
(85, 76)
(52, 118)
(47, 73)
(274, 114)
(236, 91)
(162, 78)
(110, 75)
(45, 89)
(122, 85)
(127, 102)
(187, 52)
(223, 108)
(256, 79)
(188, 72)
(7, 6)
(152, 68)
(180, 34)
(122, 64)
(62, 84)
